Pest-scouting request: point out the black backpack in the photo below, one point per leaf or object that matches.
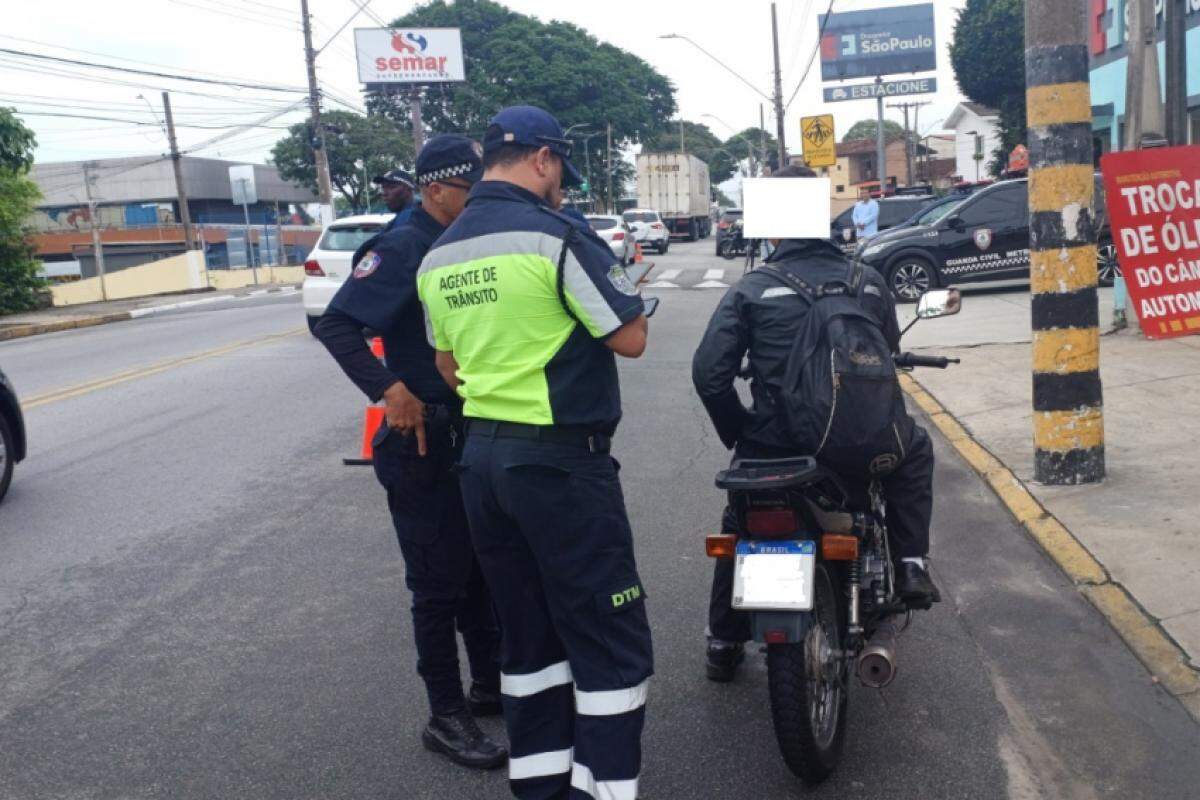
(841, 400)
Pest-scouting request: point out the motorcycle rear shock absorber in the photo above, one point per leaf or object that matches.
(855, 581)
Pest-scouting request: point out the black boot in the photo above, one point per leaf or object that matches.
(915, 587)
(483, 702)
(723, 660)
(458, 737)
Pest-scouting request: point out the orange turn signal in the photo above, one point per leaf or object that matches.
(839, 547)
(720, 545)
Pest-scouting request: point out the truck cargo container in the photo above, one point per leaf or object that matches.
(676, 185)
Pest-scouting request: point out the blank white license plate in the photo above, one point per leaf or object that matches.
(774, 575)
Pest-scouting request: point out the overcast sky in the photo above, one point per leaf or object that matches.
(260, 41)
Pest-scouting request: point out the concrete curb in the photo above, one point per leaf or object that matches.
(1166, 661)
(35, 328)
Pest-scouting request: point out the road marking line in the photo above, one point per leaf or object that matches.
(661, 285)
(712, 285)
(145, 372)
(1142, 633)
(714, 274)
(669, 274)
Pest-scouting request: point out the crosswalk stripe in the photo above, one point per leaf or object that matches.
(712, 285)
(669, 274)
(662, 285)
(714, 274)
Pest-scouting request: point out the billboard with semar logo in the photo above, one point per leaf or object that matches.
(409, 55)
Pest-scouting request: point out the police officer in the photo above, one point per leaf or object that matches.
(415, 452)
(397, 188)
(526, 310)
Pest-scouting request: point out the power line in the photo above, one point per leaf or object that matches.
(127, 121)
(175, 77)
(813, 57)
(270, 23)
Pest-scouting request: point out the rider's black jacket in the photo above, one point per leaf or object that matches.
(762, 315)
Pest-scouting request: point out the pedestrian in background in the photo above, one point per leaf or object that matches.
(526, 309)
(397, 188)
(866, 214)
(415, 452)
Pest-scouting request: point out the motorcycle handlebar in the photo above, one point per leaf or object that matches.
(908, 360)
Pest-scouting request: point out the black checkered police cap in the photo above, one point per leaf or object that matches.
(447, 156)
(394, 177)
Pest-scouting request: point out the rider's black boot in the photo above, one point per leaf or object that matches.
(457, 737)
(723, 660)
(915, 587)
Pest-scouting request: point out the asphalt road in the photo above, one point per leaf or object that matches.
(197, 600)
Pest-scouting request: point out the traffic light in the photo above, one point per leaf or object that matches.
(585, 187)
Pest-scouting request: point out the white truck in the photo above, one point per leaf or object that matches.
(676, 185)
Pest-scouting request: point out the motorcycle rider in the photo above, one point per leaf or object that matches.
(761, 317)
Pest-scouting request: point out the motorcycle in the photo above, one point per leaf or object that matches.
(814, 571)
(735, 243)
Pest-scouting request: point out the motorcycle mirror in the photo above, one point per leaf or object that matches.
(939, 303)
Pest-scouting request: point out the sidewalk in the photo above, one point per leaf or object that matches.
(1143, 523)
(16, 326)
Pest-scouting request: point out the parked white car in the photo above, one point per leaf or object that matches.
(328, 265)
(648, 228)
(617, 233)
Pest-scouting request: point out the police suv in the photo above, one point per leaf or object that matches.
(985, 238)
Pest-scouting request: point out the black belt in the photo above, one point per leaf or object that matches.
(555, 434)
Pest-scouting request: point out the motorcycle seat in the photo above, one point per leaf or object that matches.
(763, 474)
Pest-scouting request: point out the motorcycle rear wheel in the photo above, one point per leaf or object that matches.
(807, 685)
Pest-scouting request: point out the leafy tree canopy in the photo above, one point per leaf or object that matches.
(516, 59)
(19, 283)
(866, 129)
(350, 140)
(755, 136)
(988, 56)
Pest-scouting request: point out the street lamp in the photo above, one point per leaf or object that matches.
(750, 151)
(567, 132)
(587, 163)
(719, 61)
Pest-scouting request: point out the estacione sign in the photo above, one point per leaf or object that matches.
(409, 55)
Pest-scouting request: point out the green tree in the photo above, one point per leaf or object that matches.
(350, 140)
(866, 128)
(700, 141)
(737, 144)
(515, 59)
(19, 281)
(988, 56)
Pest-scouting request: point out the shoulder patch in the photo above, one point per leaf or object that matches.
(367, 264)
(777, 291)
(619, 278)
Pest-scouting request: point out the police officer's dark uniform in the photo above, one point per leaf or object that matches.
(423, 492)
(547, 514)
(760, 318)
(398, 177)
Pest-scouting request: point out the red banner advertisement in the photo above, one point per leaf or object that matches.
(1153, 202)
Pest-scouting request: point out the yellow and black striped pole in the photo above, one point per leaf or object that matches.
(1068, 419)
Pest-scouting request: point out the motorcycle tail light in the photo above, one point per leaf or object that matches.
(775, 636)
(839, 547)
(720, 545)
(772, 522)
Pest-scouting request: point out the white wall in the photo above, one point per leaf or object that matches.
(965, 145)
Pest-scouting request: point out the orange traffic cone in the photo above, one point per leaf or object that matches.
(637, 253)
(371, 422)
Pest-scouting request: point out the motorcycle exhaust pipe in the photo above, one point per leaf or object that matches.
(877, 662)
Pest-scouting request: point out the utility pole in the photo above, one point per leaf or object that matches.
(418, 122)
(324, 187)
(908, 141)
(762, 136)
(1176, 58)
(880, 139)
(185, 215)
(1143, 102)
(1068, 414)
(608, 166)
(778, 92)
(97, 245)
(682, 142)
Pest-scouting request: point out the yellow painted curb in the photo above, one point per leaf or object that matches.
(1165, 660)
(1145, 638)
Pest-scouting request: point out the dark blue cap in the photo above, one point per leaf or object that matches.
(532, 127)
(396, 176)
(449, 155)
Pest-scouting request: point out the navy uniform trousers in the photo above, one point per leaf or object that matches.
(549, 525)
(909, 495)
(440, 568)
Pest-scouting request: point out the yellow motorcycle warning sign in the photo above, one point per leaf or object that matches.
(820, 144)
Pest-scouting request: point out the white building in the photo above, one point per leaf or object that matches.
(977, 136)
